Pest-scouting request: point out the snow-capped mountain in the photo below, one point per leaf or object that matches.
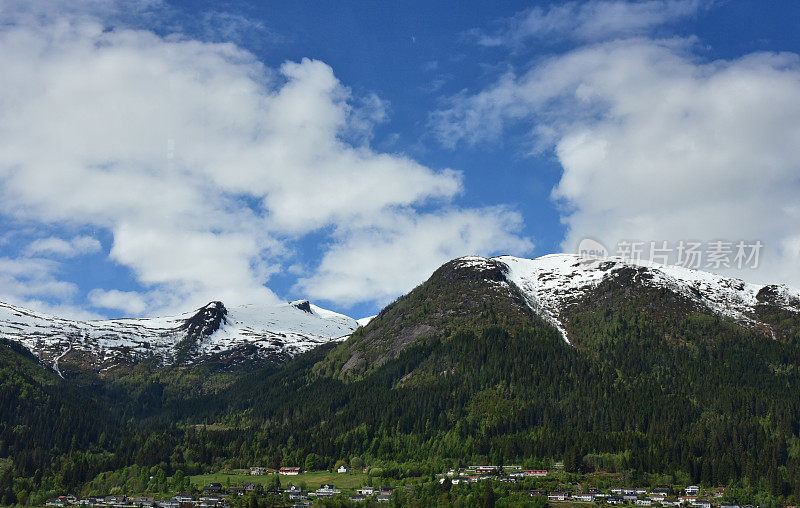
(552, 283)
(278, 331)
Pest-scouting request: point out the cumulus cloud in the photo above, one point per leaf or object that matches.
(76, 246)
(202, 163)
(380, 263)
(656, 144)
(129, 302)
(35, 283)
(590, 21)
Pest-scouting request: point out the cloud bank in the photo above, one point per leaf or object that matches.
(658, 144)
(206, 167)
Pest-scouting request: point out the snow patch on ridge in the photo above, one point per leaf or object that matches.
(289, 328)
(550, 282)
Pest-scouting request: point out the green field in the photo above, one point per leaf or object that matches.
(313, 479)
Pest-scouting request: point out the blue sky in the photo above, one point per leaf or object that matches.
(160, 154)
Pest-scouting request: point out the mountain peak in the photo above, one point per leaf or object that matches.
(303, 305)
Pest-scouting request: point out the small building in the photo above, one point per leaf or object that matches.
(289, 471)
(183, 498)
(210, 501)
(343, 469)
(535, 472)
(326, 490)
(298, 495)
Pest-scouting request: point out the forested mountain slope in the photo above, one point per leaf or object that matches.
(655, 380)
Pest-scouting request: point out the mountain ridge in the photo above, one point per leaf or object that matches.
(274, 332)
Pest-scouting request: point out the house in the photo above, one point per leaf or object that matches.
(289, 471)
(257, 470)
(644, 502)
(387, 491)
(384, 498)
(692, 490)
(687, 499)
(169, 503)
(535, 472)
(614, 500)
(585, 498)
(534, 493)
(358, 498)
(249, 487)
(210, 501)
(366, 491)
(326, 491)
(183, 498)
(144, 501)
(512, 468)
(701, 503)
(557, 496)
(298, 495)
(56, 501)
(455, 481)
(727, 505)
(670, 502)
(629, 498)
(213, 488)
(486, 469)
(238, 491)
(343, 469)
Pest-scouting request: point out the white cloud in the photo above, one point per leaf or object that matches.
(592, 20)
(656, 144)
(76, 246)
(203, 164)
(34, 283)
(129, 302)
(380, 263)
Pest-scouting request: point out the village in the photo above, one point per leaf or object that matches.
(217, 495)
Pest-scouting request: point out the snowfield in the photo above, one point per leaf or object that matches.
(550, 282)
(289, 328)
